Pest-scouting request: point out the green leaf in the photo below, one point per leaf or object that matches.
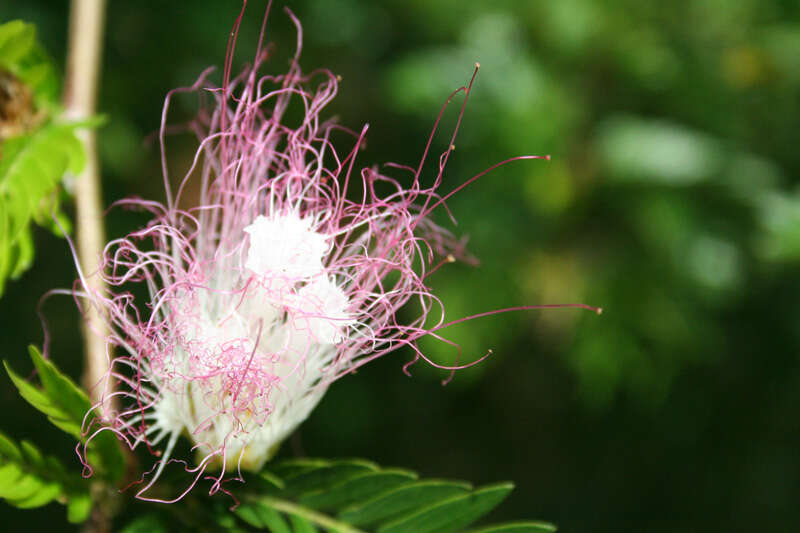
(271, 480)
(79, 507)
(22, 55)
(68, 407)
(31, 169)
(29, 479)
(518, 527)
(359, 496)
(294, 467)
(301, 525)
(149, 523)
(17, 40)
(320, 479)
(70, 399)
(401, 499)
(42, 402)
(33, 162)
(453, 513)
(357, 489)
(263, 517)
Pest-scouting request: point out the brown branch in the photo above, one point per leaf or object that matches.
(80, 101)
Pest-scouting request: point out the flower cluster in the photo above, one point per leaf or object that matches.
(287, 272)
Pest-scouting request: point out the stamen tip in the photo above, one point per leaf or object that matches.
(477, 65)
(599, 310)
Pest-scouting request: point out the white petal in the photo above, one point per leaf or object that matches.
(324, 306)
(285, 245)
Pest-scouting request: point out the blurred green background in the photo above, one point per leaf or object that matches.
(671, 201)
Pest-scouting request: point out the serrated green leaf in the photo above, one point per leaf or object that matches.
(453, 513)
(32, 164)
(76, 403)
(518, 527)
(402, 499)
(68, 407)
(59, 388)
(31, 169)
(29, 479)
(42, 402)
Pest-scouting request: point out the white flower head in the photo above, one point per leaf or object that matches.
(290, 273)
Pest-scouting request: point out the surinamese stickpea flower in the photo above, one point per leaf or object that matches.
(287, 273)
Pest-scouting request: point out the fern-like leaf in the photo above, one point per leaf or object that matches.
(66, 405)
(37, 152)
(22, 55)
(30, 173)
(356, 496)
(29, 479)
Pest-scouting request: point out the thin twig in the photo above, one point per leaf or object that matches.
(80, 101)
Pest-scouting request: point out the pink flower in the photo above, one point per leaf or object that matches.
(288, 274)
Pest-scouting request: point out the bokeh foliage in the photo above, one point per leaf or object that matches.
(671, 200)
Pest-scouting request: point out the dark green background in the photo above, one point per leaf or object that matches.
(671, 201)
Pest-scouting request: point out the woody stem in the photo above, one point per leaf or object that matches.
(84, 51)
